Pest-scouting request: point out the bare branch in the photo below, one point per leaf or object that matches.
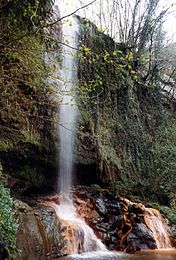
(4, 5)
(46, 25)
(70, 14)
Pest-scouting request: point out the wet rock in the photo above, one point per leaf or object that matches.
(114, 239)
(103, 230)
(39, 235)
(101, 206)
(140, 238)
(133, 244)
(121, 223)
(136, 208)
(173, 232)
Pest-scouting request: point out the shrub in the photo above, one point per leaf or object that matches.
(8, 223)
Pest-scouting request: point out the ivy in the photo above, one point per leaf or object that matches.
(8, 222)
(25, 14)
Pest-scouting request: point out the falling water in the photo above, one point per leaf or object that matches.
(159, 228)
(79, 236)
(157, 225)
(68, 108)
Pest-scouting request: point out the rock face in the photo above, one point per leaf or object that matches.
(121, 224)
(121, 121)
(40, 233)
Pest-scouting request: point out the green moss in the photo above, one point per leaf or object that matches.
(84, 161)
(85, 115)
(32, 138)
(4, 146)
(26, 108)
(32, 176)
(170, 213)
(130, 131)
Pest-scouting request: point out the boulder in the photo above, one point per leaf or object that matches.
(40, 232)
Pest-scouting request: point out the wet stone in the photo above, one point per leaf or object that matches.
(101, 206)
(114, 239)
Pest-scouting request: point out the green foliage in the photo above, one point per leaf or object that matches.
(32, 138)
(26, 108)
(85, 115)
(156, 161)
(164, 154)
(8, 223)
(134, 142)
(4, 146)
(170, 213)
(23, 74)
(31, 176)
(25, 14)
(22, 64)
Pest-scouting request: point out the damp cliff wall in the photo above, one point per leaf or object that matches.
(27, 109)
(127, 131)
(126, 136)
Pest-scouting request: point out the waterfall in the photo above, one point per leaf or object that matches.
(67, 108)
(79, 236)
(156, 223)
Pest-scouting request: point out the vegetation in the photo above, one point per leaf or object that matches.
(25, 105)
(128, 125)
(8, 222)
(26, 109)
(164, 152)
(133, 135)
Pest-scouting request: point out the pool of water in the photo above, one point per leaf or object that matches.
(143, 255)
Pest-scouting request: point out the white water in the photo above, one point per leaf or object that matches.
(68, 108)
(80, 237)
(159, 228)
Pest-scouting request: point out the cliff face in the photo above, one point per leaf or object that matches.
(127, 123)
(27, 111)
(126, 136)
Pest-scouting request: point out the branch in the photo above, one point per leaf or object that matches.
(47, 25)
(58, 42)
(4, 5)
(60, 19)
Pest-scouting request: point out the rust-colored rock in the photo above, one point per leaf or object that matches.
(39, 236)
(118, 222)
(122, 224)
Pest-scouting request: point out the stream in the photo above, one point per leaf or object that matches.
(79, 236)
(143, 255)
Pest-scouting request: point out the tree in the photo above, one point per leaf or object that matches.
(137, 25)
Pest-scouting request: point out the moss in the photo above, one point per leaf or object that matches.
(32, 176)
(4, 146)
(85, 116)
(33, 139)
(170, 213)
(26, 109)
(127, 119)
(85, 161)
